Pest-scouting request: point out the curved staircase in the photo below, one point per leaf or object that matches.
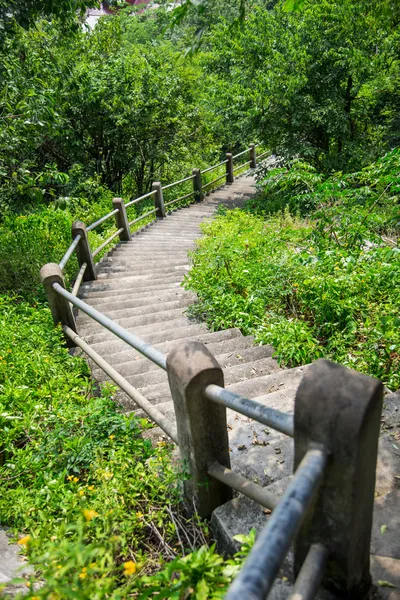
(139, 285)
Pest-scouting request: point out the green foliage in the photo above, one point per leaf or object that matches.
(89, 494)
(24, 13)
(324, 287)
(321, 83)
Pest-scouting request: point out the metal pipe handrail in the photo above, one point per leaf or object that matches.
(240, 153)
(78, 280)
(283, 422)
(178, 199)
(241, 166)
(166, 187)
(158, 417)
(132, 340)
(100, 221)
(214, 167)
(150, 212)
(244, 486)
(214, 180)
(69, 252)
(140, 198)
(311, 573)
(264, 561)
(107, 241)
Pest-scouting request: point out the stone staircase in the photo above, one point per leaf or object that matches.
(139, 287)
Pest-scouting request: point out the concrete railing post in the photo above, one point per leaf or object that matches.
(197, 185)
(253, 156)
(60, 308)
(229, 168)
(159, 199)
(83, 251)
(121, 220)
(340, 409)
(201, 424)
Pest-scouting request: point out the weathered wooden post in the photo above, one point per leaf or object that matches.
(201, 424)
(340, 410)
(159, 199)
(253, 156)
(60, 308)
(197, 185)
(83, 251)
(121, 220)
(229, 168)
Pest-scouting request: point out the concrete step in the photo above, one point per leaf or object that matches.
(151, 296)
(143, 309)
(160, 327)
(156, 388)
(151, 319)
(232, 374)
(133, 281)
(122, 270)
(153, 338)
(119, 264)
(261, 386)
(229, 339)
(229, 359)
(170, 236)
(101, 290)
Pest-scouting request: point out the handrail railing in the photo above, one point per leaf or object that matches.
(136, 200)
(63, 262)
(158, 417)
(215, 166)
(264, 561)
(327, 508)
(102, 220)
(272, 417)
(132, 340)
(170, 185)
(81, 245)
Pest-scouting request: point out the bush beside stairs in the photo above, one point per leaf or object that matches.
(139, 287)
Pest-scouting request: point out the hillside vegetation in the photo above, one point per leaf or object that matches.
(311, 265)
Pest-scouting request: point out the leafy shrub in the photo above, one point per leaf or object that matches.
(322, 287)
(91, 497)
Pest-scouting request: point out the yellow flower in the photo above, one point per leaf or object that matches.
(129, 568)
(28, 584)
(35, 598)
(75, 479)
(90, 514)
(90, 487)
(82, 575)
(81, 493)
(111, 437)
(24, 541)
(70, 477)
(59, 566)
(139, 515)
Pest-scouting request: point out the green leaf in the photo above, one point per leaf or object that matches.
(384, 583)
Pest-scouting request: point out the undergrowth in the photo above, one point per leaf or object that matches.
(315, 272)
(94, 505)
